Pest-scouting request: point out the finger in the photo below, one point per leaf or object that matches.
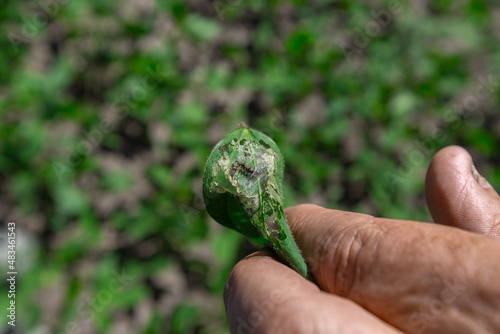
(415, 276)
(458, 196)
(264, 296)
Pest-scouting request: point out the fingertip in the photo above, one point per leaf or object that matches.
(447, 174)
(257, 287)
(457, 195)
(246, 269)
(449, 162)
(239, 270)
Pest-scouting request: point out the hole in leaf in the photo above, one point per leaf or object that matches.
(263, 143)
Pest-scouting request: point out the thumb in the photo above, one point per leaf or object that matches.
(458, 196)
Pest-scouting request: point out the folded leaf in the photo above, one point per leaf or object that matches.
(243, 190)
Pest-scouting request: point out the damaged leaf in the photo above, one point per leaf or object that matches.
(243, 190)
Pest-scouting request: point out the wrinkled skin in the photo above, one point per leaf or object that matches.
(378, 275)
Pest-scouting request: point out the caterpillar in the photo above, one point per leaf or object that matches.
(238, 166)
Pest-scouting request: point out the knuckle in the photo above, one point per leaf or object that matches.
(350, 253)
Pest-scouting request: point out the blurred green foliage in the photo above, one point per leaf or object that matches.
(108, 111)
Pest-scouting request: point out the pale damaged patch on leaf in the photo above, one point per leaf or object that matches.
(248, 172)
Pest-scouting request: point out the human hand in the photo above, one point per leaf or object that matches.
(377, 275)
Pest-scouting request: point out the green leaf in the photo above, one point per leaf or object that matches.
(243, 190)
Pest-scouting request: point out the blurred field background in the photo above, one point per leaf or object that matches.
(109, 109)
